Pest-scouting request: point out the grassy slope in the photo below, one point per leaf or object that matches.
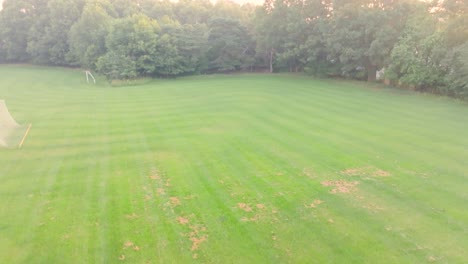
(106, 172)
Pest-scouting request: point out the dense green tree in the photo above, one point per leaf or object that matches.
(16, 19)
(454, 15)
(362, 36)
(87, 35)
(457, 74)
(124, 8)
(230, 46)
(416, 60)
(131, 39)
(157, 9)
(193, 11)
(316, 51)
(190, 44)
(269, 31)
(48, 38)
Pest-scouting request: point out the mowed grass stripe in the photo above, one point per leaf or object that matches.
(224, 141)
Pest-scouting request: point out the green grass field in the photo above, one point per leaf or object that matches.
(231, 169)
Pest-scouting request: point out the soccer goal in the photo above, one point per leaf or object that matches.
(12, 134)
(89, 76)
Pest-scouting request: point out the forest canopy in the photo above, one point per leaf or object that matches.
(415, 44)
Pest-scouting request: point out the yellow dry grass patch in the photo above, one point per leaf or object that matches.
(366, 171)
(341, 186)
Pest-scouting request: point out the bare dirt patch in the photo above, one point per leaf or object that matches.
(368, 171)
(381, 173)
(257, 212)
(168, 183)
(127, 244)
(160, 191)
(155, 175)
(182, 220)
(174, 201)
(341, 186)
(130, 245)
(148, 197)
(196, 241)
(244, 207)
(197, 236)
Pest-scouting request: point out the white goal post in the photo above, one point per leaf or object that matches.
(89, 74)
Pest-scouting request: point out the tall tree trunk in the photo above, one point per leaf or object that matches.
(371, 73)
(271, 60)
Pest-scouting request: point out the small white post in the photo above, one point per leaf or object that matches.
(88, 73)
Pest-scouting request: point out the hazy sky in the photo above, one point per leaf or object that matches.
(259, 2)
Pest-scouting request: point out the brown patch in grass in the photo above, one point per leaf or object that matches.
(197, 236)
(381, 173)
(148, 197)
(160, 191)
(366, 171)
(128, 244)
(352, 171)
(254, 218)
(122, 257)
(174, 201)
(168, 183)
(244, 219)
(244, 207)
(314, 204)
(182, 220)
(155, 177)
(257, 213)
(341, 186)
(196, 241)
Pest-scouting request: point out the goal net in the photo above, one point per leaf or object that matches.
(12, 134)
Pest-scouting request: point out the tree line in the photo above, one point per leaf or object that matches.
(415, 44)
